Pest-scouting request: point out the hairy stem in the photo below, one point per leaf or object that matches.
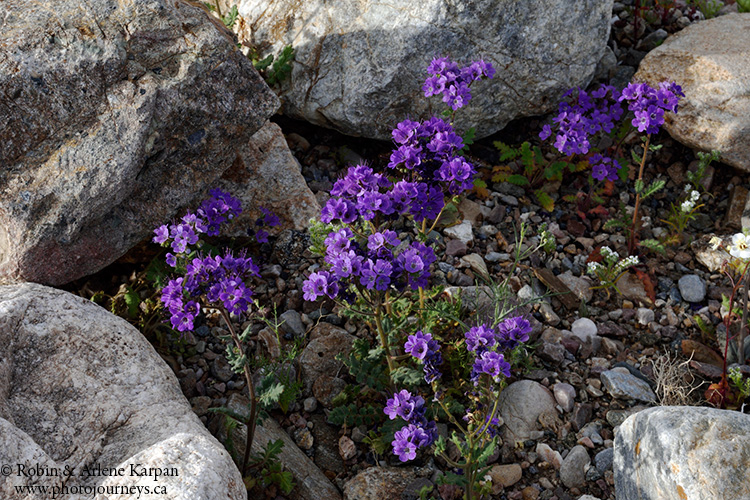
(634, 229)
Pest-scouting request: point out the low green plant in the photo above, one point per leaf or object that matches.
(610, 269)
(274, 69)
(743, 5)
(740, 383)
(536, 171)
(709, 8)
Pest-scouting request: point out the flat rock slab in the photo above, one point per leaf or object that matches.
(311, 483)
(709, 60)
(360, 65)
(622, 384)
(115, 115)
(678, 453)
(82, 389)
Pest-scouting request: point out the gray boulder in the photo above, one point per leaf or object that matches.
(674, 452)
(360, 65)
(115, 115)
(709, 60)
(81, 390)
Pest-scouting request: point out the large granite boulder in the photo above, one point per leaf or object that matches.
(83, 395)
(360, 64)
(675, 452)
(114, 115)
(709, 60)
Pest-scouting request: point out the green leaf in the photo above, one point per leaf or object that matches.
(263, 63)
(624, 170)
(545, 200)
(404, 375)
(271, 394)
(654, 245)
(506, 152)
(518, 180)
(654, 187)
(133, 301)
(439, 445)
(638, 186)
(635, 157)
(554, 171)
(486, 452)
(469, 137)
(743, 5)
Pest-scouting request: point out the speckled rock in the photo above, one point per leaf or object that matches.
(266, 174)
(359, 67)
(674, 453)
(692, 287)
(80, 387)
(319, 355)
(709, 60)
(522, 404)
(572, 472)
(116, 115)
(378, 483)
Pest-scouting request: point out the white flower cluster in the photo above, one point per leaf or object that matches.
(624, 264)
(591, 267)
(610, 256)
(689, 204)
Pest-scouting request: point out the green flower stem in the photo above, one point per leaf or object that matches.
(741, 335)
(638, 197)
(252, 419)
(383, 337)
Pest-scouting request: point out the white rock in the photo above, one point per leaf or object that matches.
(673, 453)
(584, 329)
(461, 232)
(80, 387)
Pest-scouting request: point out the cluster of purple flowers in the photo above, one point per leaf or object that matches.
(604, 167)
(430, 151)
(417, 432)
(217, 279)
(366, 194)
(371, 266)
(426, 350)
(210, 215)
(452, 82)
(649, 104)
(268, 219)
(221, 278)
(486, 343)
(587, 115)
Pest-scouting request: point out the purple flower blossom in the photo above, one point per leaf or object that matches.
(452, 82)
(319, 284)
(603, 167)
(419, 345)
(410, 438)
(491, 363)
(404, 405)
(162, 234)
(480, 338)
(513, 331)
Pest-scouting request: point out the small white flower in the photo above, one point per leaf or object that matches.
(592, 267)
(687, 206)
(715, 243)
(694, 196)
(740, 246)
(687, 188)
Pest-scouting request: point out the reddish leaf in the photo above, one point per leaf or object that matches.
(600, 211)
(581, 214)
(608, 189)
(595, 256)
(647, 284)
